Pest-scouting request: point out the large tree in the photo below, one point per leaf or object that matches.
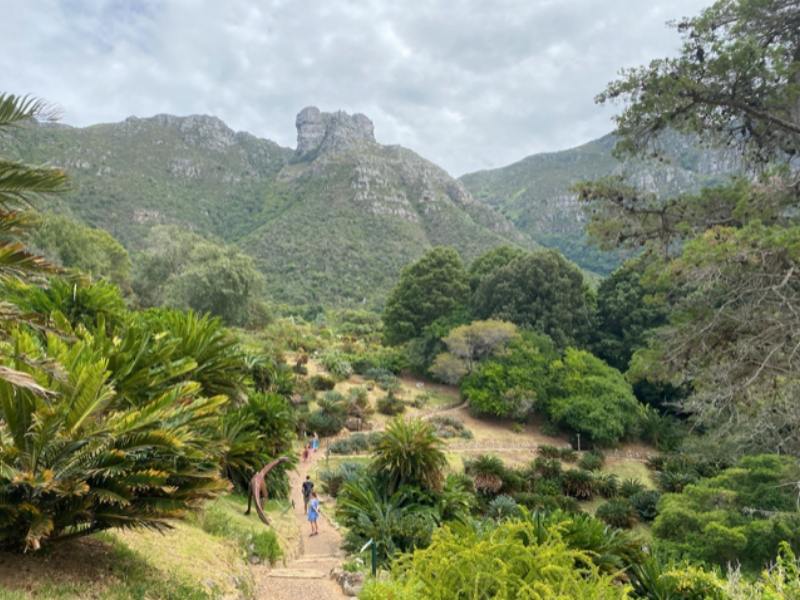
(728, 257)
(541, 291)
(434, 287)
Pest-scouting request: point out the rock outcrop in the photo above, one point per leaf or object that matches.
(319, 132)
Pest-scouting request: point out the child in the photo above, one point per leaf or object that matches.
(305, 452)
(313, 513)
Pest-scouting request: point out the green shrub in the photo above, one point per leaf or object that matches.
(549, 468)
(607, 484)
(567, 454)
(261, 544)
(503, 507)
(322, 382)
(742, 514)
(630, 487)
(547, 451)
(409, 453)
(336, 364)
(506, 560)
(325, 423)
(332, 480)
(448, 426)
(617, 512)
(646, 504)
(517, 428)
(390, 405)
(578, 484)
(589, 397)
(488, 473)
(354, 443)
(592, 461)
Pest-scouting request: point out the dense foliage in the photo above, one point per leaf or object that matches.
(432, 288)
(542, 291)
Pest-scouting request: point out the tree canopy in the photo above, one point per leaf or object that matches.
(434, 287)
(541, 291)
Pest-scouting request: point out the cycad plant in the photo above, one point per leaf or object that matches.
(19, 184)
(76, 460)
(410, 453)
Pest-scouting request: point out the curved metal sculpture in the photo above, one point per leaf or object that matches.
(258, 489)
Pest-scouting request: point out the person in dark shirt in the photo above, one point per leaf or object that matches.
(308, 488)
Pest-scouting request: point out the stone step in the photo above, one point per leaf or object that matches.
(291, 573)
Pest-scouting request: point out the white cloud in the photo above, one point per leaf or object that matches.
(467, 83)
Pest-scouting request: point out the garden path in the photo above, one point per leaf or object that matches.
(305, 575)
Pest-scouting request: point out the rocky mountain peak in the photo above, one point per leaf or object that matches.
(319, 132)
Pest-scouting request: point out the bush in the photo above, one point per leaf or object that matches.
(607, 485)
(646, 504)
(631, 486)
(589, 397)
(549, 468)
(322, 383)
(421, 400)
(503, 507)
(390, 405)
(568, 455)
(547, 451)
(325, 423)
(618, 512)
(409, 453)
(448, 427)
(336, 364)
(592, 461)
(332, 480)
(261, 544)
(578, 483)
(354, 443)
(508, 559)
(488, 473)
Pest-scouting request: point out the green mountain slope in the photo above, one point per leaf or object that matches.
(332, 222)
(535, 195)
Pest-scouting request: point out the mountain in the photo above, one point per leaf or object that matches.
(331, 222)
(535, 192)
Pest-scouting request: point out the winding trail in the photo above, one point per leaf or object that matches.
(306, 574)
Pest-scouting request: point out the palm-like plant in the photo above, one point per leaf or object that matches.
(410, 453)
(19, 183)
(78, 461)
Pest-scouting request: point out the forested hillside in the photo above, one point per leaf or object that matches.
(537, 193)
(330, 223)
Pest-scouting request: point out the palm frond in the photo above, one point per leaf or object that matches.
(16, 109)
(20, 182)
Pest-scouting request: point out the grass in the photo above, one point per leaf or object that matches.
(626, 468)
(225, 518)
(202, 558)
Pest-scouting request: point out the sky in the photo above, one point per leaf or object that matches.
(469, 84)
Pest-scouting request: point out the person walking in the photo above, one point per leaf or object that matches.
(315, 442)
(308, 487)
(313, 514)
(306, 450)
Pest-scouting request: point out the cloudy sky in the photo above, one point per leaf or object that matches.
(469, 84)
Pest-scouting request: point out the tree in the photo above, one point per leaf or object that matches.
(183, 270)
(486, 264)
(71, 244)
(742, 514)
(513, 383)
(587, 396)
(469, 344)
(541, 291)
(626, 312)
(727, 259)
(434, 287)
(409, 453)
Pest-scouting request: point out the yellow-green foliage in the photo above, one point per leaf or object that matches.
(504, 563)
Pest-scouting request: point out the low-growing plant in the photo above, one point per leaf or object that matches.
(487, 472)
(592, 460)
(549, 468)
(322, 382)
(617, 512)
(607, 484)
(631, 486)
(517, 428)
(547, 451)
(390, 405)
(503, 507)
(568, 455)
(331, 480)
(336, 364)
(421, 400)
(646, 504)
(578, 483)
(354, 443)
(448, 426)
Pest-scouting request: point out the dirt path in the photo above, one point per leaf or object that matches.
(306, 574)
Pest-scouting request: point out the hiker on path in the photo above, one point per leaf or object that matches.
(315, 442)
(306, 450)
(308, 487)
(313, 513)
